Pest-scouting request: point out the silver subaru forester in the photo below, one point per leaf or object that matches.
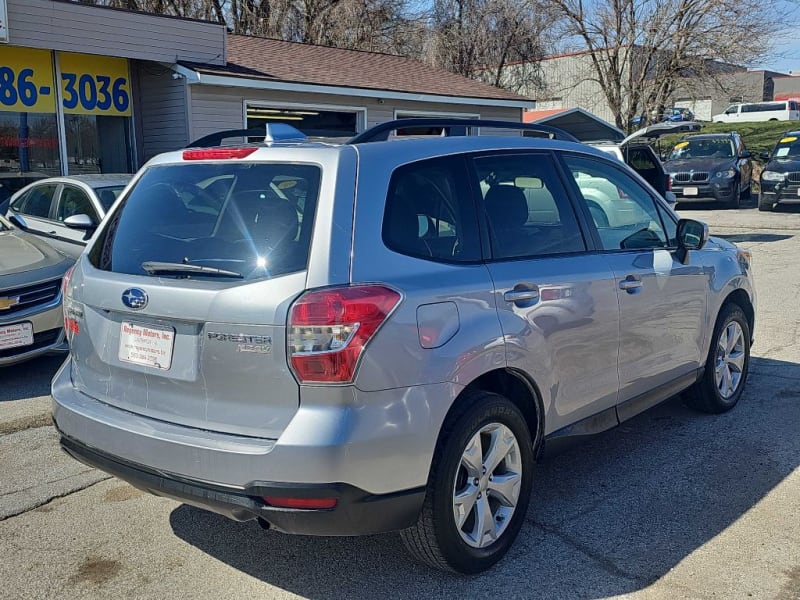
(385, 335)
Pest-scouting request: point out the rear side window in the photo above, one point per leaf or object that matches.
(430, 213)
(245, 221)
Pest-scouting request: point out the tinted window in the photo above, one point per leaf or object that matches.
(74, 201)
(642, 159)
(251, 219)
(624, 213)
(430, 214)
(527, 209)
(108, 195)
(36, 202)
(703, 147)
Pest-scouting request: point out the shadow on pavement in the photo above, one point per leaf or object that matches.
(606, 518)
(29, 379)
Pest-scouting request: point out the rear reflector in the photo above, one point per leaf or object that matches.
(307, 503)
(217, 153)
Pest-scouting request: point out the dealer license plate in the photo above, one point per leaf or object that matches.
(690, 191)
(16, 335)
(146, 345)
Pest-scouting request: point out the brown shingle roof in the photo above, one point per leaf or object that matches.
(277, 60)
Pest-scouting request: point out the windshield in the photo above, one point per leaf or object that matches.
(788, 147)
(245, 221)
(108, 195)
(703, 148)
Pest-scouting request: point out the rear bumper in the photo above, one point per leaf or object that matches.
(356, 512)
(372, 450)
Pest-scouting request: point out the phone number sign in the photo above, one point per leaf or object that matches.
(90, 85)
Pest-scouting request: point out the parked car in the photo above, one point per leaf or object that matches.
(780, 178)
(30, 296)
(780, 110)
(348, 339)
(711, 167)
(12, 182)
(65, 211)
(676, 114)
(637, 152)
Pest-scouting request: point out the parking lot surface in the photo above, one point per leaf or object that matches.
(673, 504)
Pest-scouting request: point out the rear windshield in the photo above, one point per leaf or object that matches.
(221, 220)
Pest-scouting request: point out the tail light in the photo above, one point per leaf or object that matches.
(73, 312)
(329, 329)
(669, 182)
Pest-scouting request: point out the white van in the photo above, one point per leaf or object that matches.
(779, 110)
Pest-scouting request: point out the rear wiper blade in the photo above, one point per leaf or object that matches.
(167, 268)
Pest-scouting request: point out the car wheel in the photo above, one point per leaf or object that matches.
(726, 366)
(478, 489)
(764, 204)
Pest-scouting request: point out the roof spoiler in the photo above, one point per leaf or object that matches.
(457, 127)
(271, 132)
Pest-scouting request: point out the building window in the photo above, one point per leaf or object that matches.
(432, 131)
(98, 144)
(318, 122)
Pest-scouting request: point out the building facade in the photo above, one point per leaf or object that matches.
(87, 89)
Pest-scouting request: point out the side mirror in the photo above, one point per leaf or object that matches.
(83, 222)
(746, 154)
(764, 155)
(692, 235)
(671, 198)
(18, 221)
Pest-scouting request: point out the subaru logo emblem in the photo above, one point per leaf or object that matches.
(134, 298)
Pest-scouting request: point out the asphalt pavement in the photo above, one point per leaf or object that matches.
(673, 504)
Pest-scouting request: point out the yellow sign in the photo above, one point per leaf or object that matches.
(95, 85)
(681, 145)
(26, 80)
(786, 140)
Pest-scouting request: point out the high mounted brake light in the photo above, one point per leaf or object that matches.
(328, 330)
(217, 153)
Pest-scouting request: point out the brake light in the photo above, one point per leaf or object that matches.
(307, 503)
(328, 330)
(217, 153)
(669, 183)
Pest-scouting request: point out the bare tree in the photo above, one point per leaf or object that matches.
(640, 51)
(482, 38)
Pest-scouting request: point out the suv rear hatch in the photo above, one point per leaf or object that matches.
(181, 306)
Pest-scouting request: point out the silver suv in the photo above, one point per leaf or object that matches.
(385, 335)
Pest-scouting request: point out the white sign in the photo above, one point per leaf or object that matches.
(146, 345)
(13, 336)
(3, 21)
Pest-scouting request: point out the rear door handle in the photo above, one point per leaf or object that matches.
(631, 284)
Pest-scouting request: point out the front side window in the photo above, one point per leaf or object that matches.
(36, 202)
(74, 201)
(527, 209)
(624, 213)
(430, 213)
(240, 221)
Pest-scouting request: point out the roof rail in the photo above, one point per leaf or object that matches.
(271, 132)
(456, 127)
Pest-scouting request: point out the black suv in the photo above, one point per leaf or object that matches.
(711, 167)
(780, 179)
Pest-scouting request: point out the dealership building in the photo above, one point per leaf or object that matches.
(87, 89)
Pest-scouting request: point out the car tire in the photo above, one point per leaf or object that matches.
(764, 204)
(458, 483)
(725, 374)
(736, 200)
